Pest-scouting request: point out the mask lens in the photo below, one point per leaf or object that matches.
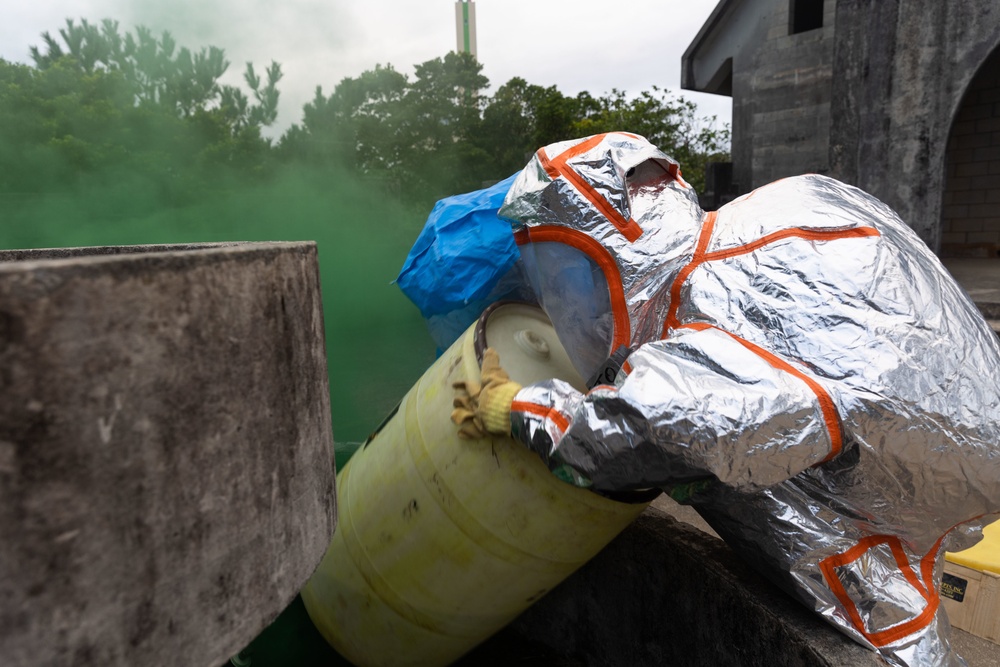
(573, 291)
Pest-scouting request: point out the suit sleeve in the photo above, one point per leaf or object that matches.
(700, 404)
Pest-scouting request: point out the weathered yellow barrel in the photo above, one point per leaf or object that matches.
(442, 541)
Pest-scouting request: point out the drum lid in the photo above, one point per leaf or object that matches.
(530, 352)
(527, 344)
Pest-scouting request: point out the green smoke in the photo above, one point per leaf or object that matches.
(119, 136)
(83, 163)
(377, 345)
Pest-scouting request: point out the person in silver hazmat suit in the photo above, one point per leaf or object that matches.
(797, 364)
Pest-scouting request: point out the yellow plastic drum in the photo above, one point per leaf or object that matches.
(442, 541)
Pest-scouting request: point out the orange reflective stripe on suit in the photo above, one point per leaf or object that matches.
(701, 256)
(925, 588)
(558, 166)
(559, 419)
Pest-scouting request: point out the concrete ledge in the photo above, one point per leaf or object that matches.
(665, 593)
(166, 463)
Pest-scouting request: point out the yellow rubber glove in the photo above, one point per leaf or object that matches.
(484, 409)
(470, 427)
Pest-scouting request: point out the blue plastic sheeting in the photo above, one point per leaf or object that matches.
(464, 259)
(461, 253)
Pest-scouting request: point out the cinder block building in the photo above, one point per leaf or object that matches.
(898, 97)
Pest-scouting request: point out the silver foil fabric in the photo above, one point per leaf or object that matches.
(803, 370)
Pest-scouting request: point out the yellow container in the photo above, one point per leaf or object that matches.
(441, 541)
(970, 590)
(984, 556)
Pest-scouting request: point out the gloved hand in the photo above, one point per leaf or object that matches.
(481, 409)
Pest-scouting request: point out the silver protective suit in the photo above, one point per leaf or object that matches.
(800, 349)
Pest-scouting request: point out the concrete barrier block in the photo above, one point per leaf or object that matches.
(166, 458)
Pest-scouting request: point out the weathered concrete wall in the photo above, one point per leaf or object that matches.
(166, 468)
(970, 217)
(663, 593)
(781, 99)
(902, 68)
(780, 83)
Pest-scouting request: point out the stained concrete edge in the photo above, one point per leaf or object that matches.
(664, 592)
(166, 457)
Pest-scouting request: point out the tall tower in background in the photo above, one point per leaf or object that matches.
(465, 25)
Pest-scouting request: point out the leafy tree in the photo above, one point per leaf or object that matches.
(439, 123)
(417, 135)
(521, 117)
(518, 119)
(103, 103)
(670, 123)
(354, 126)
(105, 107)
(57, 124)
(159, 73)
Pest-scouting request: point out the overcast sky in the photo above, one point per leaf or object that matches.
(573, 44)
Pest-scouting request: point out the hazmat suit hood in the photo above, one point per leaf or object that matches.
(603, 224)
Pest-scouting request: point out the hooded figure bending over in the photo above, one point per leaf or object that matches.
(798, 365)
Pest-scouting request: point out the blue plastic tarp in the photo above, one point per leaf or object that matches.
(463, 260)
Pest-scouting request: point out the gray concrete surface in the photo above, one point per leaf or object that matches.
(668, 592)
(664, 593)
(166, 477)
(978, 652)
(902, 70)
(981, 279)
(869, 98)
(780, 83)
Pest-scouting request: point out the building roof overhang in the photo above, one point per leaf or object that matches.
(707, 64)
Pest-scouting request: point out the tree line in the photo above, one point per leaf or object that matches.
(101, 104)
